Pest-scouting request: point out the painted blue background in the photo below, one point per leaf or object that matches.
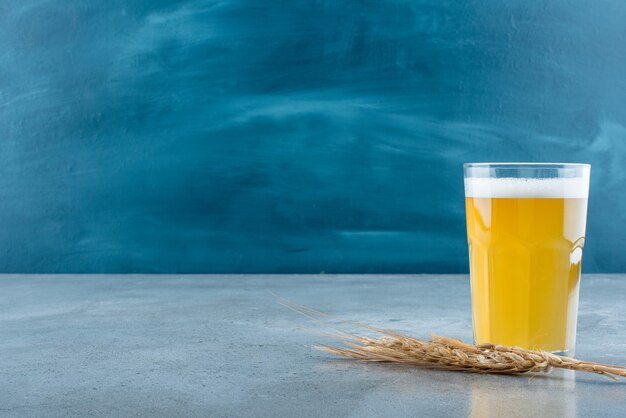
(296, 135)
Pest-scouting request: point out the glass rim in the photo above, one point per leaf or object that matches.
(519, 165)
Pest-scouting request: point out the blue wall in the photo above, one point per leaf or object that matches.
(296, 135)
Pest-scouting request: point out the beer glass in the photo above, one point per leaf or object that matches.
(526, 231)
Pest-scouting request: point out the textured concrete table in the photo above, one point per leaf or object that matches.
(221, 346)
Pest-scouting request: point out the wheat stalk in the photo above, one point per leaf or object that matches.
(450, 354)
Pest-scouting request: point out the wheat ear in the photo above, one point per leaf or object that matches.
(452, 354)
(448, 353)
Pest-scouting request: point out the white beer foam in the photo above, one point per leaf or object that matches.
(567, 188)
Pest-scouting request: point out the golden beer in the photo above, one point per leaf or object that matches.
(525, 243)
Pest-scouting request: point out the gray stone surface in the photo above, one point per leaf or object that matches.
(221, 346)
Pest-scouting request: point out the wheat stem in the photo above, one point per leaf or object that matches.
(446, 353)
(452, 354)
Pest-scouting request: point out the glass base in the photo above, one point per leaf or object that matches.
(564, 353)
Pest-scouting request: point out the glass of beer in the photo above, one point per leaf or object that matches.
(526, 232)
